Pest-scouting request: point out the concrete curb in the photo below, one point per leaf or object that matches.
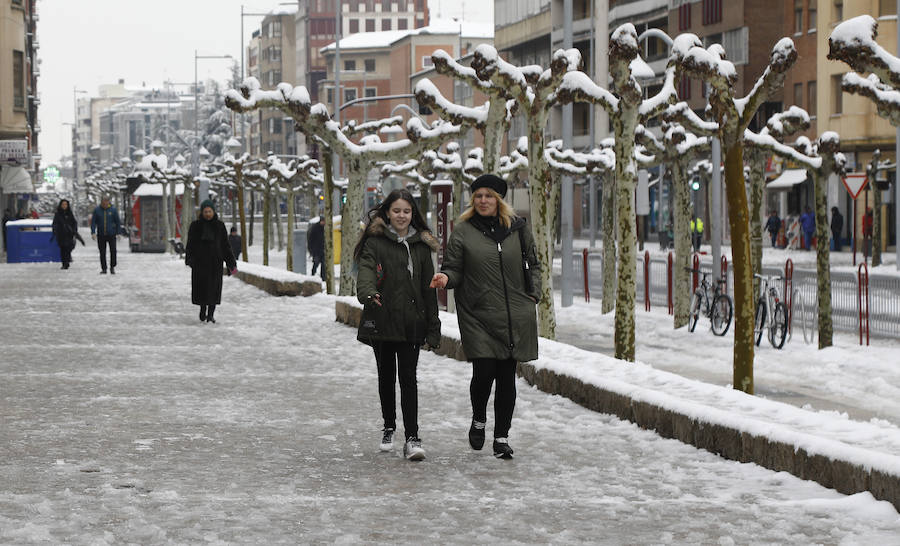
(728, 442)
(280, 288)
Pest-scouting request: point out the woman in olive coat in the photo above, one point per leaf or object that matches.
(491, 262)
(400, 310)
(207, 249)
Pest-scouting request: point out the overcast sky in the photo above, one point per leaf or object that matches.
(86, 43)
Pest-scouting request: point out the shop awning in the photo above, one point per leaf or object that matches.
(15, 180)
(788, 179)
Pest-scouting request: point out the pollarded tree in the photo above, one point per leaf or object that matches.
(258, 179)
(627, 108)
(291, 178)
(733, 115)
(535, 92)
(872, 170)
(677, 150)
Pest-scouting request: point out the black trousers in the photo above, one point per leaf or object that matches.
(318, 260)
(102, 241)
(837, 240)
(398, 359)
(485, 371)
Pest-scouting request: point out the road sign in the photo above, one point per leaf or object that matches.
(855, 183)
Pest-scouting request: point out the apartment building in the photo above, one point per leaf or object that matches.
(276, 64)
(19, 97)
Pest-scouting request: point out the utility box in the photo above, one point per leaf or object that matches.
(300, 250)
(29, 241)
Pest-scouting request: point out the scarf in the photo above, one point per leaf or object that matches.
(404, 241)
(490, 226)
(208, 229)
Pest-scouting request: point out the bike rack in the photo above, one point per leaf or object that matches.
(646, 280)
(587, 290)
(725, 272)
(669, 268)
(789, 293)
(695, 280)
(861, 276)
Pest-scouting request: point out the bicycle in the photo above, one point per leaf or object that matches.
(713, 303)
(770, 309)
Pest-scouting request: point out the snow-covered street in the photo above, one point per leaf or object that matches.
(127, 420)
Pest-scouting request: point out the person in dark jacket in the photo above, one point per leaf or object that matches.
(837, 224)
(400, 310)
(773, 226)
(105, 227)
(65, 231)
(206, 250)
(808, 225)
(235, 241)
(491, 261)
(315, 243)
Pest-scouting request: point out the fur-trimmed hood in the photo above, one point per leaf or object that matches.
(378, 228)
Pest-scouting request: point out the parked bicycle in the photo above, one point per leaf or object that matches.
(711, 302)
(770, 310)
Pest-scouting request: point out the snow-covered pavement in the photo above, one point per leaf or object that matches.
(127, 420)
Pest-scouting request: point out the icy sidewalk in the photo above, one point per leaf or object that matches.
(126, 420)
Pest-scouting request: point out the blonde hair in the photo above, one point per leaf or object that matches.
(504, 212)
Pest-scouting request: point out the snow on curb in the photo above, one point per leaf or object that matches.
(278, 282)
(849, 456)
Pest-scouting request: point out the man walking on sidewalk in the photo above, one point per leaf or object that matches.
(105, 226)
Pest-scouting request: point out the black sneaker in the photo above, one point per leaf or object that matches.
(103, 272)
(112, 270)
(387, 440)
(476, 435)
(412, 449)
(502, 449)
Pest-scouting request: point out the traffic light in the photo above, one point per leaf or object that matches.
(695, 184)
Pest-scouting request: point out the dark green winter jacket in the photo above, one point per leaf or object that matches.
(409, 310)
(496, 315)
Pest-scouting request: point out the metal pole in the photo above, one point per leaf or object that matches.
(592, 181)
(566, 202)
(203, 190)
(715, 216)
(336, 167)
(600, 52)
(241, 116)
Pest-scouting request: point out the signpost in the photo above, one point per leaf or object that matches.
(14, 153)
(855, 184)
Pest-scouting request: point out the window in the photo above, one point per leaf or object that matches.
(838, 10)
(350, 64)
(837, 95)
(385, 24)
(684, 88)
(811, 15)
(798, 94)
(370, 65)
(385, 5)
(273, 126)
(371, 92)
(402, 23)
(798, 16)
(426, 61)
(18, 79)
(684, 16)
(354, 26)
(349, 94)
(370, 25)
(887, 7)
(712, 11)
(329, 93)
(736, 43)
(811, 100)
(276, 29)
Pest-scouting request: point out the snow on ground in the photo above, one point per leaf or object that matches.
(127, 420)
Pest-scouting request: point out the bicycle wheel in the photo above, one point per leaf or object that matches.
(760, 322)
(722, 312)
(694, 313)
(778, 328)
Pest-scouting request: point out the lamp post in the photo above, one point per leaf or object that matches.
(75, 92)
(195, 163)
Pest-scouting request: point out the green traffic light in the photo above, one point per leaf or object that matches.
(695, 185)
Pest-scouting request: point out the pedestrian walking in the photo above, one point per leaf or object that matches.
(315, 243)
(8, 216)
(773, 226)
(808, 225)
(697, 232)
(206, 251)
(105, 227)
(837, 224)
(65, 231)
(234, 239)
(491, 262)
(400, 309)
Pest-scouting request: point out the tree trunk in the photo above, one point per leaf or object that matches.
(626, 169)
(757, 182)
(279, 225)
(165, 213)
(350, 216)
(738, 217)
(252, 215)
(876, 224)
(493, 136)
(290, 227)
(608, 238)
(239, 182)
(328, 193)
(542, 220)
(457, 195)
(681, 284)
(187, 211)
(823, 269)
(424, 200)
(267, 199)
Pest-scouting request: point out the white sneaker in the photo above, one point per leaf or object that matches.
(412, 449)
(387, 440)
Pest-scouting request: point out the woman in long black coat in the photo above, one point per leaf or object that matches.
(65, 230)
(206, 251)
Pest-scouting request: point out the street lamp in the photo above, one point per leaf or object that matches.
(195, 164)
(75, 92)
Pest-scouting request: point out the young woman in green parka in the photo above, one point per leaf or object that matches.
(400, 311)
(491, 262)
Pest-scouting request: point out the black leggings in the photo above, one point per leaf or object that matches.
(398, 359)
(484, 372)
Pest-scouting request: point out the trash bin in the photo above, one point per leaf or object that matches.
(300, 251)
(29, 241)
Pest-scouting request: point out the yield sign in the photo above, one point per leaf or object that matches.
(855, 183)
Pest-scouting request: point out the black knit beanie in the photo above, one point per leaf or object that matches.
(491, 181)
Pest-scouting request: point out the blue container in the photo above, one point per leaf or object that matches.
(29, 241)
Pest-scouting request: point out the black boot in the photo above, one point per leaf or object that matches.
(202, 313)
(209, 314)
